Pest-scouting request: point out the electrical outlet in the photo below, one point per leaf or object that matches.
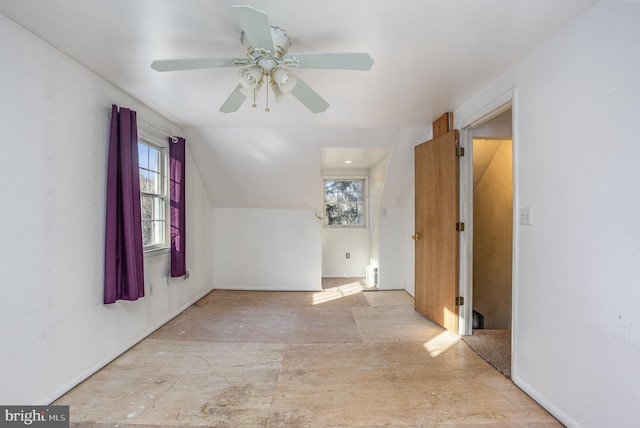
(348, 255)
(525, 216)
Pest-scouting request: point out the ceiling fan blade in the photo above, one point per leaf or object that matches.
(336, 61)
(234, 101)
(196, 63)
(309, 97)
(255, 24)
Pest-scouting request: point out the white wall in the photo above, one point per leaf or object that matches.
(394, 235)
(55, 329)
(266, 249)
(498, 127)
(576, 144)
(377, 180)
(336, 242)
(265, 152)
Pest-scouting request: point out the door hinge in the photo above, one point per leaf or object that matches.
(459, 151)
(459, 301)
(459, 227)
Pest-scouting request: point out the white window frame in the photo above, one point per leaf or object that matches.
(163, 149)
(365, 196)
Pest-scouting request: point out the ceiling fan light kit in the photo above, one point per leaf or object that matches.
(266, 48)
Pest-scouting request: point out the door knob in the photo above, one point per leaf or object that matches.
(415, 237)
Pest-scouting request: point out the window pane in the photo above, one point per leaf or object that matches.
(144, 180)
(147, 233)
(158, 232)
(152, 208)
(350, 214)
(158, 209)
(154, 159)
(153, 232)
(329, 191)
(344, 202)
(147, 208)
(150, 162)
(143, 155)
(153, 183)
(330, 214)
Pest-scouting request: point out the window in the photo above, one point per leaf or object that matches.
(152, 160)
(344, 202)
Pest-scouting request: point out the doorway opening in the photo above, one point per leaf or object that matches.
(490, 243)
(492, 232)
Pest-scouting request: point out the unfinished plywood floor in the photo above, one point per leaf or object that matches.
(341, 357)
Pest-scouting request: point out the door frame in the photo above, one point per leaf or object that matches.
(499, 105)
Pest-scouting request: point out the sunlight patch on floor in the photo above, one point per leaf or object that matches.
(441, 343)
(337, 293)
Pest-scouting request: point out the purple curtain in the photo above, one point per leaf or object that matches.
(124, 256)
(177, 211)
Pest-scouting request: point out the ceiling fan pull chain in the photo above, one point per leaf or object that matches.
(269, 81)
(254, 105)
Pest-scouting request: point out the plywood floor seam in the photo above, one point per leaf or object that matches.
(343, 357)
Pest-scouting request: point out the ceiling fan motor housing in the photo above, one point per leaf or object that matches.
(281, 43)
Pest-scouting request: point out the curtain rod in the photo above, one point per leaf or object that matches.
(157, 131)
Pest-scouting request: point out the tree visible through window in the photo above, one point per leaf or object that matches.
(151, 161)
(344, 203)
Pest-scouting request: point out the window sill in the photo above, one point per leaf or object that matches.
(156, 252)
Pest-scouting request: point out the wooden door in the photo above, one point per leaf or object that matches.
(436, 238)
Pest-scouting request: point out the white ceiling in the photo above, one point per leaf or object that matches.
(430, 56)
(356, 158)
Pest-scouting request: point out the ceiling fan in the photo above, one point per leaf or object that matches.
(268, 62)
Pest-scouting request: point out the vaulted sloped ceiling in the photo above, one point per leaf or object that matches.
(249, 167)
(430, 56)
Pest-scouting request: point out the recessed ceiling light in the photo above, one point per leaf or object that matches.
(348, 161)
